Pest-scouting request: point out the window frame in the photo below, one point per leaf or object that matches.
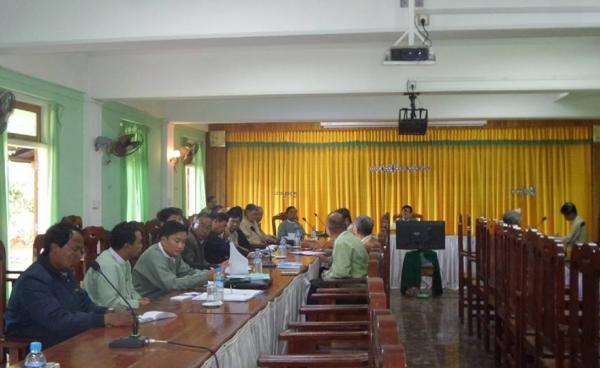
(37, 110)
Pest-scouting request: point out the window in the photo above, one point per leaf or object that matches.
(25, 122)
(191, 186)
(27, 183)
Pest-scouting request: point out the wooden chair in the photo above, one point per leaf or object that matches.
(385, 350)
(347, 312)
(384, 239)
(73, 219)
(152, 230)
(38, 246)
(15, 347)
(278, 217)
(96, 240)
(584, 283)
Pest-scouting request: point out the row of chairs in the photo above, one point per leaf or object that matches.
(526, 299)
(338, 334)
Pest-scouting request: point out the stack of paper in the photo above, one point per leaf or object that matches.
(238, 264)
(233, 295)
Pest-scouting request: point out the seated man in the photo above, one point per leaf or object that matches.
(160, 269)
(211, 202)
(125, 244)
(512, 217)
(349, 258)
(251, 229)
(170, 214)
(347, 217)
(363, 229)
(232, 233)
(47, 304)
(407, 214)
(194, 251)
(290, 224)
(217, 249)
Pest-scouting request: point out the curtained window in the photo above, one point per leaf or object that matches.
(194, 195)
(134, 176)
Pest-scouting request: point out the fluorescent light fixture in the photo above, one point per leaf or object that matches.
(394, 124)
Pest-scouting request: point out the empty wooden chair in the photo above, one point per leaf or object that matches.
(96, 240)
(152, 230)
(278, 217)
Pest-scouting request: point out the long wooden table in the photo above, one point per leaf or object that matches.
(194, 325)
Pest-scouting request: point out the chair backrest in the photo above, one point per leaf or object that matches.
(387, 350)
(278, 217)
(584, 285)
(38, 246)
(2, 286)
(96, 240)
(152, 229)
(384, 240)
(73, 219)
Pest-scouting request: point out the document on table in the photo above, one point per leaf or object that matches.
(308, 253)
(152, 316)
(238, 264)
(289, 265)
(184, 296)
(232, 295)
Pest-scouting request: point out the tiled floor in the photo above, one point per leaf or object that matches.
(432, 334)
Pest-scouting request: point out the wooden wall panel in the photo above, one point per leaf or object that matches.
(216, 173)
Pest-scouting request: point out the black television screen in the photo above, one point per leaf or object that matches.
(420, 235)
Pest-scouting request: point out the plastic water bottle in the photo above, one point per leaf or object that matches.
(283, 248)
(35, 358)
(219, 283)
(313, 233)
(258, 262)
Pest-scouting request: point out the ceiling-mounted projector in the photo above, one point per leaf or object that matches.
(412, 121)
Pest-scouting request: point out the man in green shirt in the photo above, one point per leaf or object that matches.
(161, 269)
(125, 244)
(290, 225)
(349, 258)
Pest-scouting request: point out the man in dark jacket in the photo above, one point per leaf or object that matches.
(47, 303)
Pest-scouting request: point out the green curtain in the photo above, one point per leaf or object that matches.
(199, 163)
(53, 146)
(199, 168)
(134, 176)
(4, 190)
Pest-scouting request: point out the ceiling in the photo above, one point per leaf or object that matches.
(237, 61)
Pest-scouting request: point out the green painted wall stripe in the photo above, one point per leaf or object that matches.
(500, 142)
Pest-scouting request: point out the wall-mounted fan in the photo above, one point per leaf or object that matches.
(123, 146)
(7, 105)
(188, 151)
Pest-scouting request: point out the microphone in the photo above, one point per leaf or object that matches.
(135, 340)
(309, 224)
(321, 221)
(541, 222)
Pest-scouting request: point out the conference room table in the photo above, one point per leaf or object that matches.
(239, 332)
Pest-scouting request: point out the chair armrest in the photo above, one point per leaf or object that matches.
(310, 342)
(330, 326)
(340, 312)
(332, 298)
(354, 360)
(334, 282)
(343, 290)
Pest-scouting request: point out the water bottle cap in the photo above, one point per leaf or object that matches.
(35, 346)
(218, 269)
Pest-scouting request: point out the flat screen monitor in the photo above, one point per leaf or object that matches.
(420, 235)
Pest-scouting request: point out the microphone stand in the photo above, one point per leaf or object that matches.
(134, 341)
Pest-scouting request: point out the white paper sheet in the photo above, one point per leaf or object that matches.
(238, 264)
(151, 316)
(233, 295)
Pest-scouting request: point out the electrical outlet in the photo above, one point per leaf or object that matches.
(423, 18)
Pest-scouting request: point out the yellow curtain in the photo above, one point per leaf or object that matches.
(467, 170)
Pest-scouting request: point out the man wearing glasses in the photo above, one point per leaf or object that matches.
(47, 303)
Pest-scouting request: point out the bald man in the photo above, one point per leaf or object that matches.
(349, 258)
